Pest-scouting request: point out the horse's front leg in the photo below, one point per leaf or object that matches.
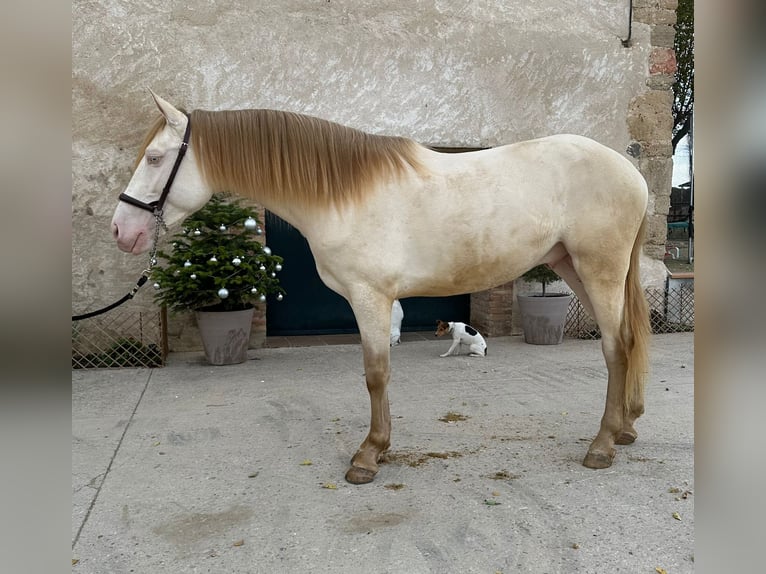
(373, 317)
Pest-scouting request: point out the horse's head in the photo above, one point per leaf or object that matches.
(160, 169)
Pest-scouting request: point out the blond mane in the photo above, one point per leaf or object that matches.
(294, 158)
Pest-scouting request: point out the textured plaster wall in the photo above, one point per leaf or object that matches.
(447, 73)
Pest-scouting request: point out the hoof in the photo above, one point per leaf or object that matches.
(626, 437)
(359, 475)
(597, 460)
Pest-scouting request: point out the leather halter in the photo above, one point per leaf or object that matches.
(156, 206)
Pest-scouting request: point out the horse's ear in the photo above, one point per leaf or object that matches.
(173, 116)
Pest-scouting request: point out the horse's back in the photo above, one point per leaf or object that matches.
(559, 175)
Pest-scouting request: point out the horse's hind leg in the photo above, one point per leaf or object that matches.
(635, 409)
(373, 316)
(604, 300)
(566, 271)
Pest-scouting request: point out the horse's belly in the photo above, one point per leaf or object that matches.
(466, 270)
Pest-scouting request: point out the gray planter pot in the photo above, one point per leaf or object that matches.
(225, 335)
(543, 318)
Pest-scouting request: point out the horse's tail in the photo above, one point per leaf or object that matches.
(635, 330)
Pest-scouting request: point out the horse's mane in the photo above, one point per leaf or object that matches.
(292, 157)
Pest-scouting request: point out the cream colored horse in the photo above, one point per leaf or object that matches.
(371, 207)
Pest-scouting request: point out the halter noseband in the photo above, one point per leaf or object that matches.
(156, 206)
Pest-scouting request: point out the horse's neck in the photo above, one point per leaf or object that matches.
(300, 219)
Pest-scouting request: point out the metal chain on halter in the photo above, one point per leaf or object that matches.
(159, 223)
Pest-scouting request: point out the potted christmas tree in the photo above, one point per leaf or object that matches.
(544, 314)
(219, 269)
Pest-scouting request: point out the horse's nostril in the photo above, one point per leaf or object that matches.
(115, 231)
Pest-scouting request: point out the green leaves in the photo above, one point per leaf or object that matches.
(683, 88)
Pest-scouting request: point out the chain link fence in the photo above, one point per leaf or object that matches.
(670, 311)
(119, 338)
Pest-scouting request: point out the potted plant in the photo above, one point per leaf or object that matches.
(219, 269)
(543, 314)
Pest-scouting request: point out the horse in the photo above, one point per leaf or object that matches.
(371, 207)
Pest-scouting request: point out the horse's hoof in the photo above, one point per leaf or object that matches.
(626, 437)
(359, 475)
(597, 460)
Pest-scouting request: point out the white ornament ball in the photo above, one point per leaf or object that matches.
(262, 268)
(187, 263)
(273, 274)
(222, 227)
(156, 285)
(236, 261)
(280, 297)
(193, 276)
(262, 298)
(197, 232)
(213, 260)
(250, 223)
(267, 250)
(254, 290)
(223, 293)
(278, 267)
(258, 230)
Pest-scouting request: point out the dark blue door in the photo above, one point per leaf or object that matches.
(310, 308)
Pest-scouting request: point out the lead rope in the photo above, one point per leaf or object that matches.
(159, 222)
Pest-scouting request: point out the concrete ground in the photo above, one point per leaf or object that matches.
(239, 469)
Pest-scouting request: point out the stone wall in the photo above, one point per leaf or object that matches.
(650, 120)
(452, 74)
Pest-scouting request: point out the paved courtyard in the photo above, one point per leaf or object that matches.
(239, 469)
